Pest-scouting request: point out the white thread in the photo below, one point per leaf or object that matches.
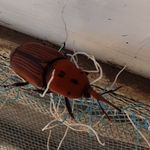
(63, 138)
(90, 57)
(72, 59)
(115, 112)
(148, 125)
(69, 125)
(63, 19)
(101, 72)
(61, 48)
(137, 128)
(48, 140)
(76, 58)
(55, 114)
(89, 127)
(58, 104)
(97, 65)
(75, 62)
(112, 85)
(49, 82)
(48, 124)
(83, 125)
(64, 123)
(55, 109)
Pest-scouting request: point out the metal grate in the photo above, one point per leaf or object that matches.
(23, 114)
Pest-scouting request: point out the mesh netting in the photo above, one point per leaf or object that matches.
(23, 114)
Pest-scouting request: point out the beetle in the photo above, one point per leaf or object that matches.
(35, 62)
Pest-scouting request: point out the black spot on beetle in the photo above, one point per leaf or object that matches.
(74, 81)
(61, 74)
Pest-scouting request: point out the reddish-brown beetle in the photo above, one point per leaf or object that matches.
(35, 63)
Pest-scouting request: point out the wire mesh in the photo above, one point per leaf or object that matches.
(23, 114)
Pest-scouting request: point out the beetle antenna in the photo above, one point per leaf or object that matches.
(104, 112)
(111, 91)
(107, 91)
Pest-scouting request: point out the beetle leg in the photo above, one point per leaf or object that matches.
(104, 112)
(69, 107)
(16, 84)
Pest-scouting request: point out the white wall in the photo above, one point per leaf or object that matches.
(113, 30)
